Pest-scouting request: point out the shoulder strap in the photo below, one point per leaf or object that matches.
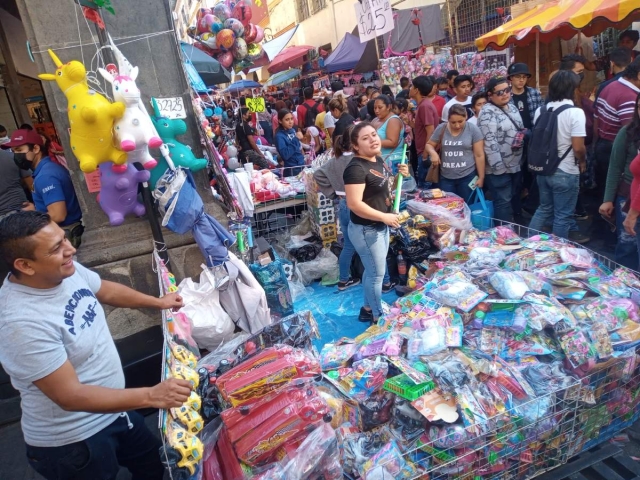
(512, 120)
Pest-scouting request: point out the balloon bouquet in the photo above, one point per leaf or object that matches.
(225, 33)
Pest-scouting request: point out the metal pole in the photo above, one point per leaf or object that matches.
(538, 60)
(150, 207)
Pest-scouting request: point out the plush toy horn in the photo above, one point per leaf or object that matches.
(55, 58)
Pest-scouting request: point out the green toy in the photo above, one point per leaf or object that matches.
(182, 156)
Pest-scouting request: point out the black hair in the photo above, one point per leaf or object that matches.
(242, 101)
(402, 104)
(337, 85)
(620, 56)
(477, 97)
(3, 128)
(423, 85)
(371, 113)
(370, 89)
(441, 80)
(15, 232)
(632, 35)
(308, 93)
(569, 61)
(632, 70)
(493, 83)
(562, 86)
(289, 104)
(354, 132)
(25, 126)
(325, 102)
(633, 130)
(244, 111)
(384, 99)
(458, 109)
(464, 78)
(281, 114)
(342, 143)
(404, 82)
(452, 73)
(386, 90)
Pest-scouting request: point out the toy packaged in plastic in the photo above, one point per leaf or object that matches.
(547, 311)
(534, 282)
(460, 295)
(628, 277)
(503, 235)
(388, 462)
(492, 341)
(482, 258)
(427, 342)
(179, 327)
(357, 447)
(183, 372)
(547, 378)
(578, 257)
(416, 371)
(611, 312)
(182, 452)
(264, 373)
(436, 405)
(189, 418)
(407, 423)
(601, 340)
(509, 285)
(273, 279)
(521, 260)
(342, 409)
(610, 287)
(376, 409)
(577, 347)
(336, 355)
(473, 416)
(316, 457)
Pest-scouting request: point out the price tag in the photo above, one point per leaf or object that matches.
(171, 107)
(375, 17)
(93, 181)
(256, 105)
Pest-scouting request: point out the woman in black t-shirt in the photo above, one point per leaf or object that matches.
(368, 189)
(339, 110)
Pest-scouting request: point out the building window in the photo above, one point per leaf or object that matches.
(317, 5)
(302, 7)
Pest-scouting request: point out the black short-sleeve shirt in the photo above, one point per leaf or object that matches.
(243, 131)
(377, 186)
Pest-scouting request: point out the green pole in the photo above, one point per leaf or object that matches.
(396, 201)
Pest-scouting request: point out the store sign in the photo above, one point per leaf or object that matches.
(171, 107)
(375, 17)
(256, 105)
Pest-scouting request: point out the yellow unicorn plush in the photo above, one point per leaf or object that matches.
(91, 117)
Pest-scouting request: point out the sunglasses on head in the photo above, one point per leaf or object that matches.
(504, 91)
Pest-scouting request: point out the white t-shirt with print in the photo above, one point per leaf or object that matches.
(451, 103)
(329, 121)
(571, 123)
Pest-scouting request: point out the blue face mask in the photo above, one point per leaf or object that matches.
(442, 93)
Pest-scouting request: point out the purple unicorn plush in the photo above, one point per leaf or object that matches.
(119, 192)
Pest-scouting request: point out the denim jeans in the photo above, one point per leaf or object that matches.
(602, 154)
(459, 186)
(100, 456)
(505, 193)
(558, 197)
(347, 248)
(372, 244)
(626, 248)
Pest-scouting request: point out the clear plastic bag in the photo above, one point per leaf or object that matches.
(326, 263)
(316, 457)
(439, 214)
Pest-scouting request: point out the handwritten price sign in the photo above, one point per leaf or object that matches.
(256, 105)
(171, 107)
(375, 17)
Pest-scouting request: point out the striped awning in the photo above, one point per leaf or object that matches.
(563, 19)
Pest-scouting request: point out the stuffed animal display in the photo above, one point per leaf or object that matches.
(91, 116)
(119, 192)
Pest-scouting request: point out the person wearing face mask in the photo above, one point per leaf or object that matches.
(443, 89)
(368, 191)
(502, 129)
(4, 138)
(53, 191)
(438, 101)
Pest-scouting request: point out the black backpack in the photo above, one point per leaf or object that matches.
(543, 156)
(310, 115)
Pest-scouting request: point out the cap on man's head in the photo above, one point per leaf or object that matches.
(24, 137)
(518, 69)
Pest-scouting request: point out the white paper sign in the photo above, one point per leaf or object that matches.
(375, 17)
(171, 107)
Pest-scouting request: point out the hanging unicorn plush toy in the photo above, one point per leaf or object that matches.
(134, 131)
(91, 116)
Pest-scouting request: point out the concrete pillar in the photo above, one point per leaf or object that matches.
(122, 252)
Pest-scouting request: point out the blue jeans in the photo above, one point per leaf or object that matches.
(626, 248)
(372, 244)
(459, 186)
(558, 197)
(101, 455)
(347, 248)
(505, 193)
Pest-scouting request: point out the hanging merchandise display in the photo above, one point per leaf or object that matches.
(91, 116)
(118, 195)
(394, 68)
(481, 67)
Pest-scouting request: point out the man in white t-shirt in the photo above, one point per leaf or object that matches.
(559, 191)
(78, 418)
(462, 85)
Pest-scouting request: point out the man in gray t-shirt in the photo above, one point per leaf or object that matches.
(56, 347)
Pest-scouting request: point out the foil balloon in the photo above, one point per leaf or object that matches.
(226, 38)
(204, 48)
(202, 12)
(254, 52)
(222, 11)
(239, 49)
(210, 40)
(216, 25)
(259, 34)
(202, 26)
(250, 33)
(225, 59)
(242, 11)
(235, 25)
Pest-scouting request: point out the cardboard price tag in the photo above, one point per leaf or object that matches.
(172, 107)
(375, 18)
(256, 105)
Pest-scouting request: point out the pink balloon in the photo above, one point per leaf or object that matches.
(242, 11)
(259, 35)
(225, 59)
(250, 33)
(202, 12)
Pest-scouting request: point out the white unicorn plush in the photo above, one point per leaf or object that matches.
(134, 131)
